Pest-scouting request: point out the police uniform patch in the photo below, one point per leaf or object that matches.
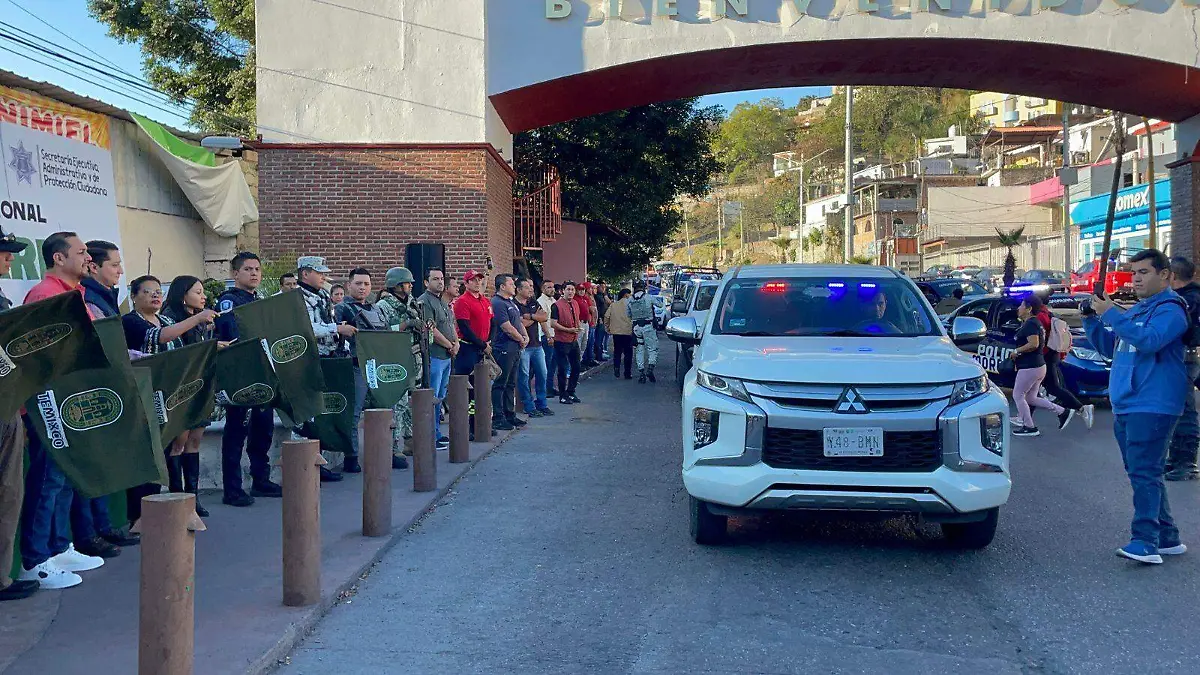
(225, 305)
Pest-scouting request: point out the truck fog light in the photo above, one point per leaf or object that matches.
(705, 425)
(991, 432)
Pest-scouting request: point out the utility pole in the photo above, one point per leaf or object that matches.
(848, 236)
(1066, 179)
(687, 239)
(1150, 168)
(720, 222)
(1119, 142)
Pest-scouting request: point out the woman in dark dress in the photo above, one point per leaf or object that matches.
(185, 300)
(149, 331)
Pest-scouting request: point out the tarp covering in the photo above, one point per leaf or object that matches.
(219, 194)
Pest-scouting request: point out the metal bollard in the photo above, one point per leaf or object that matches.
(302, 522)
(166, 604)
(377, 472)
(483, 402)
(458, 403)
(424, 457)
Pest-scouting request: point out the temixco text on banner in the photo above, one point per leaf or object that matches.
(184, 380)
(280, 323)
(335, 425)
(42, 341)
(95, 425)
(388, 365)
(245, 377)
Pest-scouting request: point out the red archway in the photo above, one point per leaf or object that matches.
(1091, 77)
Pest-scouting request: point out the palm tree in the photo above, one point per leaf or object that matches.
(1010, 240)
(784, 245)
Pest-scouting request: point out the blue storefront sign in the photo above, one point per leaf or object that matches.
(1132, 213)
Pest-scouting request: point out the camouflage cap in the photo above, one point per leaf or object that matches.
(312, 262)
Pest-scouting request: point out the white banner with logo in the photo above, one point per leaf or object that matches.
(51, 184)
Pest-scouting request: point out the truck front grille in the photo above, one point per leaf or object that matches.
(903, 451)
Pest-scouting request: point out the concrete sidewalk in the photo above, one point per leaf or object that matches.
(241, 623)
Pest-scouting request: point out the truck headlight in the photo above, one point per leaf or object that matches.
(706, 424)
(723, 385)
(965, 390)
(991, 432)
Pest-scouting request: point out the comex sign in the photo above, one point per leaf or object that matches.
(720, 9)
(1133, 200)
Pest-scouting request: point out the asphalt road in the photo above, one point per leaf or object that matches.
(568, 552)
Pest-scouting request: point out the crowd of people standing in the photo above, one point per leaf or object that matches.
(540, 342)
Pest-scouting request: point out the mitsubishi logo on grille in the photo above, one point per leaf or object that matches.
(851, 403)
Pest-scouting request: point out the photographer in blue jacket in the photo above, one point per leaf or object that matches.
(1147, 386)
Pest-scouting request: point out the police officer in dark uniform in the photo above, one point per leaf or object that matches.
(1185, 441)
(257, 424)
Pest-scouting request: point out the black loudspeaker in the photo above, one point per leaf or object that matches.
(419, 258)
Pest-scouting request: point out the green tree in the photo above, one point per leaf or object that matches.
(750, 134)
(199, 51)
(890, 122)
(627, 170)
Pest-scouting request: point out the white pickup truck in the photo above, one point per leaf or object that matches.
(831, 387)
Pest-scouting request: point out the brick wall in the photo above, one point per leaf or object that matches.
(1185, 193)
(361, 205)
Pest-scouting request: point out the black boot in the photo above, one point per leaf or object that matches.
(190, 461)
(174, 473)
(650, 374)
(641, 377)
(1181, 460)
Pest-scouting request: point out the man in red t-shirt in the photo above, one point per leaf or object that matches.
(583, 306)
(473, 316)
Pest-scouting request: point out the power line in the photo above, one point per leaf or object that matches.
(126, 94)
(56, 30)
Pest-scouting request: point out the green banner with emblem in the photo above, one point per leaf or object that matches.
(281, 324)
(184, 381)
(95, 425)
(42, 341)
(334, 426)
(388, 365)
(244, 376)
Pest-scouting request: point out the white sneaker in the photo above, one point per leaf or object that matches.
(1178, 549)
(51, 576)
(1089, 415)
(74, 561)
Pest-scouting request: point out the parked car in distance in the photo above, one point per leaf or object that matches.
(940, 292)
(938, 271)
(1119, 282)
(662, 311)
(1042, 281)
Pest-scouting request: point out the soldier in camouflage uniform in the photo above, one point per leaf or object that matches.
(401, 312)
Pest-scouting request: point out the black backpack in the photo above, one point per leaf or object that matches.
(1191, 309)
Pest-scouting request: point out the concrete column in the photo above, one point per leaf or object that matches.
(166, 616)
(301, 523)
(377, 472)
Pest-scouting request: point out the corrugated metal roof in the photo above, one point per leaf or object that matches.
(10, 79)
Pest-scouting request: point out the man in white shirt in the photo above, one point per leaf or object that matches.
(546, 301)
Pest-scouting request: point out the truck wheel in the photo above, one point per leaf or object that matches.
(974, 535)
(708, 529)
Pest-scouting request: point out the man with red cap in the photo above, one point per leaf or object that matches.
(473, 316)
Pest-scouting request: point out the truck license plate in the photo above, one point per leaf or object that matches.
(854, 442)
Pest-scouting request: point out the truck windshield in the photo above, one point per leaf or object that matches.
(818, 306)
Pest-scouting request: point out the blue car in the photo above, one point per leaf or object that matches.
(1085, 371)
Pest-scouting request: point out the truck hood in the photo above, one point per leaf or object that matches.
(842, 360)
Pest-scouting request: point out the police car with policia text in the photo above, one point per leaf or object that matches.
(835, 387)
(1085, 371)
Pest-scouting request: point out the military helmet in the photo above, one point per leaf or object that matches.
(639, 285)
(397, 276)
